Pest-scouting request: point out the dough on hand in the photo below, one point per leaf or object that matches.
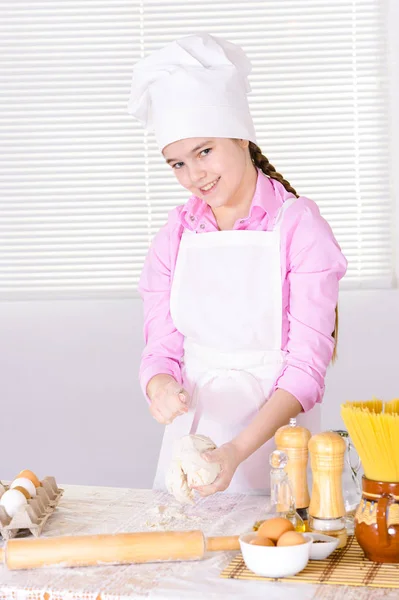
(188, 468)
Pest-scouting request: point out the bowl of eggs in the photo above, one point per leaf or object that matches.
(276, 549)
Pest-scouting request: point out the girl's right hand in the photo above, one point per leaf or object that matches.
(168, 398)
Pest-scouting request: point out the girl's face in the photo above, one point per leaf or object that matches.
(214, 169)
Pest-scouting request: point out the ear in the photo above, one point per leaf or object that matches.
(243, 143)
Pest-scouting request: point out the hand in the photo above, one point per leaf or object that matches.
(229, 459)
(168, 398)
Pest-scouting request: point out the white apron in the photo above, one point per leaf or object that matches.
(226, 299)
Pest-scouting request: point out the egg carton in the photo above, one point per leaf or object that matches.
(35, 513)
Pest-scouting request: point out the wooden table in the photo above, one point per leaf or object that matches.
(88, 510)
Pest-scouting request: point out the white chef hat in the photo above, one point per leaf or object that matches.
(196, 86)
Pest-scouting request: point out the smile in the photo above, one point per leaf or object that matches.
(209, 186)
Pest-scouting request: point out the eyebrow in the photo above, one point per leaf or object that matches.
(169, 160)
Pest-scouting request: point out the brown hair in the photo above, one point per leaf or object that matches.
(264, 165)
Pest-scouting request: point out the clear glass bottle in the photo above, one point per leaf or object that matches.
(282, 503)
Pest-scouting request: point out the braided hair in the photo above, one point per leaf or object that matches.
(264, 165)
(261, 162)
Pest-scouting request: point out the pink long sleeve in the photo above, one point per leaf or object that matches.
(315, 264)
(164, 344)
(312, 266)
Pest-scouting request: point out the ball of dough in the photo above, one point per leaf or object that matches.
(189, 469)
(176, 483)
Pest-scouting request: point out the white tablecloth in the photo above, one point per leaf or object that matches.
(90, 510)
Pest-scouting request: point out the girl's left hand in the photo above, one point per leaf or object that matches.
(228, 457)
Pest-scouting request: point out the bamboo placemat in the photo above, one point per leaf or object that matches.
(347, 566)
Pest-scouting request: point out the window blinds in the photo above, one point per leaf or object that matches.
(84, 189)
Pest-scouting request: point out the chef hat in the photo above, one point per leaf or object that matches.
(196, 86)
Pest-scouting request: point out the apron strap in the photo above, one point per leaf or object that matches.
(280, 215)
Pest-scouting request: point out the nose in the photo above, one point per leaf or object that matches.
(198, 175)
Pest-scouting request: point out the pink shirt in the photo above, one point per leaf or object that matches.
(312, 265)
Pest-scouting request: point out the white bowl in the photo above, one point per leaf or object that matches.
(321, 551)
(275, 561)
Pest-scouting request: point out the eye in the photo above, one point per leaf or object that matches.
(176, 165)
(207, 150)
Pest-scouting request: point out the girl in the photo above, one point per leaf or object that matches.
(240, 287)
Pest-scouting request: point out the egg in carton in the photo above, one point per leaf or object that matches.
(34, 514)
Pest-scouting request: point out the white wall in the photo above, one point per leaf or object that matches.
(70, 401)
(71, 405)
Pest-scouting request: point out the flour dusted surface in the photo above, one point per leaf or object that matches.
(97, 510)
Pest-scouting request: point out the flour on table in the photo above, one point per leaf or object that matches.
(164, 517)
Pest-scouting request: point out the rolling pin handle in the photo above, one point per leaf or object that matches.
(216, 544)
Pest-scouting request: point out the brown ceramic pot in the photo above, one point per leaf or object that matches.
(377, 521)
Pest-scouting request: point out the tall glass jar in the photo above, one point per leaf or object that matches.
(351, 482)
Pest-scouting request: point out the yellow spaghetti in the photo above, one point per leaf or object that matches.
(392, 408)
(373, 405)
(374, 429)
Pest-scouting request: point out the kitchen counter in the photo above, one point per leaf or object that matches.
(90, 510)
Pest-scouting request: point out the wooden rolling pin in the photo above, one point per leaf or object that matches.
(121, 548)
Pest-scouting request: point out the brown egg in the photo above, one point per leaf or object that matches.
(261, 541)
(274, 528)
(291, 538)
(30, 475)
(23, 491)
